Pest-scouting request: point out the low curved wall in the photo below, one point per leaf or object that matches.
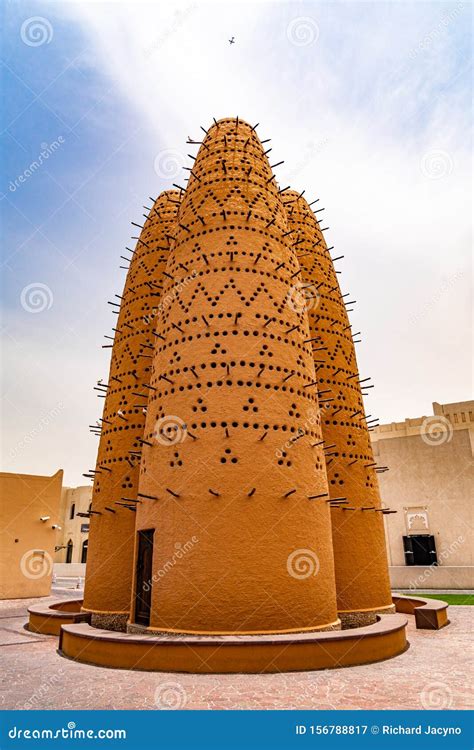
(231, 654)
(48, 618)
(430, 614)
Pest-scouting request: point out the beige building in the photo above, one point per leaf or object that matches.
(29, 527)
(429, 483)
(73, 541)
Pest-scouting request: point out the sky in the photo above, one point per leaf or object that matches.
(367, 103)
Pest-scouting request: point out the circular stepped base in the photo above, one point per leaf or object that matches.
(48, 618)
(233, 653)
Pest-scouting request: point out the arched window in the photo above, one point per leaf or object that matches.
(69, 552)
(85, 545)
(72, 512)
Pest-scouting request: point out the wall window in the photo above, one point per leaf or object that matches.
(72, 512)
(69, 551)
(420, 549)
(85, 545)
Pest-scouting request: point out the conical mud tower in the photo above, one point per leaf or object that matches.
(232, 472)
(236, 519)
(112, 524)
(362, 582)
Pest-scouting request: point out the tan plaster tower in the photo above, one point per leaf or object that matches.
(232, 472)
(112, 524)
(235, 489)
(236, 521)
(362, 581)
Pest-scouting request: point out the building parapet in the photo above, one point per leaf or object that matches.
(460, 416)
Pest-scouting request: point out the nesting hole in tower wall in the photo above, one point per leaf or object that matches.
(265, 351)
(228, 457)
(292, 412)
(234, 379)
(250, 405)
(199, 406)
(176, 460)
(217, 349)
(336, 479)
(284, 460)
(235, 332)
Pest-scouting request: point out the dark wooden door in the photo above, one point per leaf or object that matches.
(424, 549)
(420, 549)
(408, 550)
(144, 574)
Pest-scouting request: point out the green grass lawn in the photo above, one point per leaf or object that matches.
(462, 599)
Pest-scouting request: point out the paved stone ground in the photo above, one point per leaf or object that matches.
(434, 673)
